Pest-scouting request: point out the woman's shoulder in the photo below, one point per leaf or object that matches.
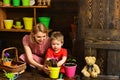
(26, 36)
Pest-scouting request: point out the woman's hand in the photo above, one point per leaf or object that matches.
(46, 70)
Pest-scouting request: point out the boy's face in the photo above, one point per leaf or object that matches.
(56, 45)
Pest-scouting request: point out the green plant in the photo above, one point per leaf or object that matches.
(7, 57)
(51, 62)
(10, 76)
(71, 61)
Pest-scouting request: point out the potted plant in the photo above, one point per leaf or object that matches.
(6, 60)
(70, 67)
(54, 69)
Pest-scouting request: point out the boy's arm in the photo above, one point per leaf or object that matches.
(62, 61)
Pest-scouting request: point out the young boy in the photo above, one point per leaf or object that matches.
(56, 51)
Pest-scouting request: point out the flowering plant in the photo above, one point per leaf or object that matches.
(6, 57)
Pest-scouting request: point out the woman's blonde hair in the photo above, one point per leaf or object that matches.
(57, 35)
(37, 28)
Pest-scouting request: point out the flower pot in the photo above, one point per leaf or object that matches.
(6, 2)
(16, 2)
(70, 69)
(7, 63)
(28, 23)
(26, 2)
(8, 23)
(54, 72)
(45, 21)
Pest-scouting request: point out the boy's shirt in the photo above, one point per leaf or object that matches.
(51, 54)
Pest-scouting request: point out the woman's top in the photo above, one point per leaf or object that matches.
(37, 49)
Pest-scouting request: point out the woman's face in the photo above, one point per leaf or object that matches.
(56, 45)
(40, 37)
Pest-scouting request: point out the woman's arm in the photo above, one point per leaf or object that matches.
(30, 58)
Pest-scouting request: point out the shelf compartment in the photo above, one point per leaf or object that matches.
(9, 12)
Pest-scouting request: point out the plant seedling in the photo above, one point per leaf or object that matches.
(52, 63)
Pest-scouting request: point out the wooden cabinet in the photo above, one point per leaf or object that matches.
(17, 13)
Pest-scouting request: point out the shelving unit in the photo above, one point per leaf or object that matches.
(4, 15)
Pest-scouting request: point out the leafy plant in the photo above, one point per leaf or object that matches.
(6, 57)
(52, 63)
(11, 76)
(71, 61)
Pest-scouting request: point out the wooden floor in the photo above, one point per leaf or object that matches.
(37, 75)
(27, 76)
(34, 75)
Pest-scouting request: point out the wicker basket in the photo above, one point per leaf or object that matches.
(16, 66)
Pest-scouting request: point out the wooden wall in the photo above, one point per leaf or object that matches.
(98, 29)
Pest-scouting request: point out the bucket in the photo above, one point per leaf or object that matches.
(28, 23)
(26, 2)
(70, 71)
(54, 72)
(45, 21)
(16, 2)
(8, 24)
(6, 2)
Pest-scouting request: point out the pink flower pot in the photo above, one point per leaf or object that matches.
(70, 70)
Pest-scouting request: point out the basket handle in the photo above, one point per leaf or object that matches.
(10, 48)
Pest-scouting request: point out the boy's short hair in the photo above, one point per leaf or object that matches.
(57, 35)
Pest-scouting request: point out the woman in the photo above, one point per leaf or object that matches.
(36, 45)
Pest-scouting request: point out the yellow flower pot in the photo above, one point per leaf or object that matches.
(54, 72)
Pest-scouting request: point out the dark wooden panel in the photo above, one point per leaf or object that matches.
(98, 26)
(113, 62)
